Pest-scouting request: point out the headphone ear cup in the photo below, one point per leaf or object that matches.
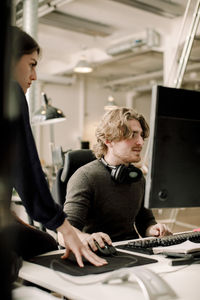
(134, 174)
(123, 173)
(119, 173)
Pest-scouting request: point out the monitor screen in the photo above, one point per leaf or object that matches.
(173, 178)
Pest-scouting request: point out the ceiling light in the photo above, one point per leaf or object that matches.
(111, 104)
(47, 114)
(83, 66)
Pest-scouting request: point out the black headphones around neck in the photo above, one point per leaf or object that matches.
(122, 173)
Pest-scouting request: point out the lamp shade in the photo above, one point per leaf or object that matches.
(47, 114)
(83, 66)
(111, 104)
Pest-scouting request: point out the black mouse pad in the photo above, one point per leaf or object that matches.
(70, 266)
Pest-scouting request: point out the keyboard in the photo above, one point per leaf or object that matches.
(145, 245)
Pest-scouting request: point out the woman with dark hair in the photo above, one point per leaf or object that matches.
(28, 178)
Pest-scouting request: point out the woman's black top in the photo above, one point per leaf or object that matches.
(28, 177)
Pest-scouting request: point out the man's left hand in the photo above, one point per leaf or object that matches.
(158, 230)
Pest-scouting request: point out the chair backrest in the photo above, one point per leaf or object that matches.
(73, 160)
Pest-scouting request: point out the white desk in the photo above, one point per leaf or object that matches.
(31, 293)
(184, 280)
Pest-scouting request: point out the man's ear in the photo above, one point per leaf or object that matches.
(108, 143)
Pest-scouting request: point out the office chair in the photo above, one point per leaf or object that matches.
(73, 160)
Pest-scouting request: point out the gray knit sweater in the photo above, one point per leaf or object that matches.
(95, 203)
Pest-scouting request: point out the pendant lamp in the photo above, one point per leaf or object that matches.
(111, 104)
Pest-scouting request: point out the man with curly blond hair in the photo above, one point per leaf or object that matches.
(105, 198)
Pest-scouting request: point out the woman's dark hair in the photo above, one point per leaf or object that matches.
(22, 43)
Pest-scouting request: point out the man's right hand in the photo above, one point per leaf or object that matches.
(89, 239)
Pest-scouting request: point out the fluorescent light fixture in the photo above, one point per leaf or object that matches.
(83, 66)
(47, 114)
(111, 104)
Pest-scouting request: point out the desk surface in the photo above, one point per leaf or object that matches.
(184, 281)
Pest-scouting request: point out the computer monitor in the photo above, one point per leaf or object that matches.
(173, 178)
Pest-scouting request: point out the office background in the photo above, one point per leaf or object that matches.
(130, 47)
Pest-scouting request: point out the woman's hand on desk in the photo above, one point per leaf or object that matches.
(74, 244)
(158, 230)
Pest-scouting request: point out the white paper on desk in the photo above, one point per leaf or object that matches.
(185, 247)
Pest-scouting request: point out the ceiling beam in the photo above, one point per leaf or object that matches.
(49, 13)
(65, 21)
(131, 79)
(159, 7)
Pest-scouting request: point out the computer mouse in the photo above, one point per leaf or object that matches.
(107, 250)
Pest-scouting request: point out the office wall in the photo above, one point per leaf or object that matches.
(96, 99)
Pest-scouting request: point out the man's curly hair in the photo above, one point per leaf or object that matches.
(114, 127)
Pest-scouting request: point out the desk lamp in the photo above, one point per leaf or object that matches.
(47, 114)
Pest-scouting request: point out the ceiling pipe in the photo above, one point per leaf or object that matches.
(153, 75)
(43, 9)
(30, 25)
(130, 79)
(166, 9)
(13, 12)
(51, 6)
